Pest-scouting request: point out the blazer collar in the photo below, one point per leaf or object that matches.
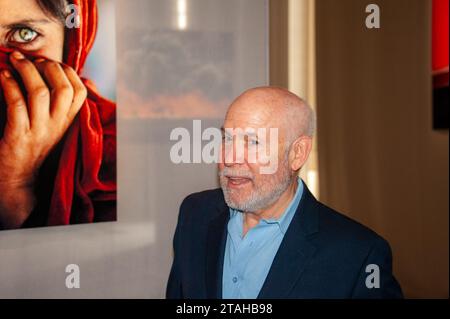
(290, 261)
(295, 250)
(215, 250)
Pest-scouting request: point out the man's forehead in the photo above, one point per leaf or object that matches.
(248, 131)
(258, 126)
(253, 113)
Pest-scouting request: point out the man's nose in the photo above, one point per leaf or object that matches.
(234, 153)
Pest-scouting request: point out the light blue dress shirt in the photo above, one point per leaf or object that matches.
(248, 260)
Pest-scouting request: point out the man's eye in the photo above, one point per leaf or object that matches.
(23, 35)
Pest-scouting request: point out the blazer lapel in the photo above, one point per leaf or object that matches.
(295, 251)
(215, 250)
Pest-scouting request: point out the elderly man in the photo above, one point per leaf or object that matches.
(265, 235)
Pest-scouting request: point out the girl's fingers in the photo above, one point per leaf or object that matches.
(54, 92)
(38, 94)
(62, 91)
(80, 92)
(17, 113)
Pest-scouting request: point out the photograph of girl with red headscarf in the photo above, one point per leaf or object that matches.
(57, 134)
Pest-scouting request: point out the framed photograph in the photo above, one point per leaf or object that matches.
(440, 63)
(58, 113)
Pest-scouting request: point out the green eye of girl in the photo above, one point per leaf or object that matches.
(24, 35)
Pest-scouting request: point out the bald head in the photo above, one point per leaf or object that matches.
(275, 107)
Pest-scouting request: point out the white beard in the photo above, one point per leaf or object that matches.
(262, 197)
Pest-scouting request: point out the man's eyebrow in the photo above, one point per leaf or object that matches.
(25, 22)
(249, 134)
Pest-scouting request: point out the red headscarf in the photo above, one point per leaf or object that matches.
(85, 184)
(84, 169)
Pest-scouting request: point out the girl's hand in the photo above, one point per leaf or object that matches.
(35, 124)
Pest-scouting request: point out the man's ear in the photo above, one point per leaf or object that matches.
(300, 152)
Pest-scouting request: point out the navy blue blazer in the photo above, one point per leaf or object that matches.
(323, 254)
